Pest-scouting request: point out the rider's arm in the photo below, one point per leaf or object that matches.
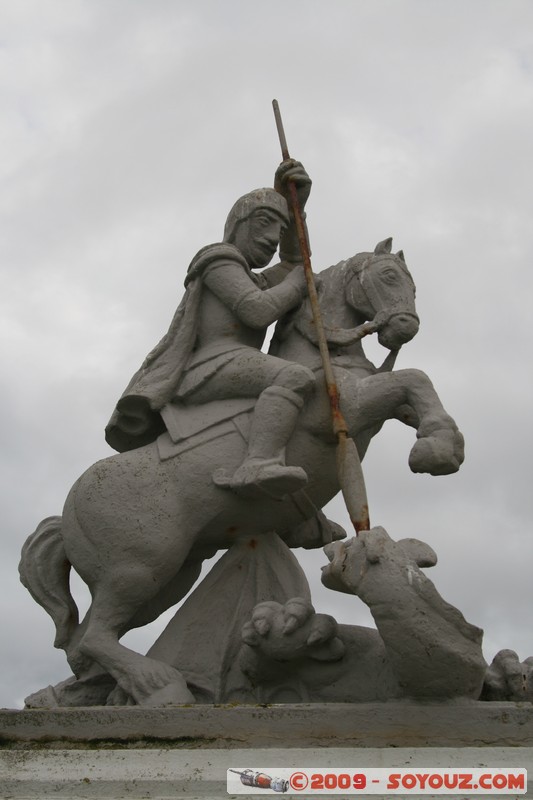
(292, 171)
(277, 273)
(289, 246)
(254, 307)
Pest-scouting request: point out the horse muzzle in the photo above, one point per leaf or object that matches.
(398, 329)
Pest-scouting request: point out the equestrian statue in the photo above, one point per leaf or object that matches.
(221, 446)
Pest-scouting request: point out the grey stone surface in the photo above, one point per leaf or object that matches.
(222, 446)
(195, 774)
(423, 647)
(392, 724)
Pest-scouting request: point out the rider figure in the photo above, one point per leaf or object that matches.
(212, 349)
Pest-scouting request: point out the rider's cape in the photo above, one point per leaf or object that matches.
(136, 420)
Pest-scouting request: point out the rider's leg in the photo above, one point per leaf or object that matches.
(276, 412)
(281, 388)
(275, 416)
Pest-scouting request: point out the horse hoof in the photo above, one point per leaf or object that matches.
(90, 690)
(442, 453)
(118, 697)
(173, 694)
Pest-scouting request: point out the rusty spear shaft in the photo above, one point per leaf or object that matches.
(348, 463)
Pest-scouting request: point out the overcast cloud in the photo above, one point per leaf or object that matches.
(128, 129)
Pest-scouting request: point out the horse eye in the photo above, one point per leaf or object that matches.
(389, 276)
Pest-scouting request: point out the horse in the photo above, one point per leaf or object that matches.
(137, 525)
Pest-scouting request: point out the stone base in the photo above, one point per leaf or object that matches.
(185, 751)
(201, 774)
(395, 724)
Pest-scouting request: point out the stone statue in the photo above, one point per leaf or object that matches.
(423, 648)
(212, 350)
(222, 447)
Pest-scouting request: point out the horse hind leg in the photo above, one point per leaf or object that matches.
(45, 571)
(115, 602)
(174, 591)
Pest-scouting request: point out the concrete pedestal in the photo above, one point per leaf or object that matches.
(185, 751)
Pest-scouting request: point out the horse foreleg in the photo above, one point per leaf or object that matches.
(409, 395)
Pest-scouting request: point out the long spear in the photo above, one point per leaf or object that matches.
(349, 469)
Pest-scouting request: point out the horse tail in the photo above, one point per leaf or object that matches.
(44, 570)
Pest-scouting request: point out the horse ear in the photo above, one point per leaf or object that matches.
(384, 247)
(401, 255)
(422, 553)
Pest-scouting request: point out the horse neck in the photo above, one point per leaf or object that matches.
(290, 344)
(336, 312)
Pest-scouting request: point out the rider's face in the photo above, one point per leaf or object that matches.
(258, 236)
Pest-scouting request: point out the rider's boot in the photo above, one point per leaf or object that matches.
(264, 470)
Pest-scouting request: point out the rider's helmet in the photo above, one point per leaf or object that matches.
(253, 201)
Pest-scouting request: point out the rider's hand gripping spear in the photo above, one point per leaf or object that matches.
(348, 463)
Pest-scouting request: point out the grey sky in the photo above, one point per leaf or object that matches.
(129, 128)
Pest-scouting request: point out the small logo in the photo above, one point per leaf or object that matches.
(259, 780)
(299, 781)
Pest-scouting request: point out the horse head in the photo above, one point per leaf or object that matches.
(379, 287)
(368, 293)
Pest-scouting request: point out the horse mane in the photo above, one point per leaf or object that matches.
(332, 281)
